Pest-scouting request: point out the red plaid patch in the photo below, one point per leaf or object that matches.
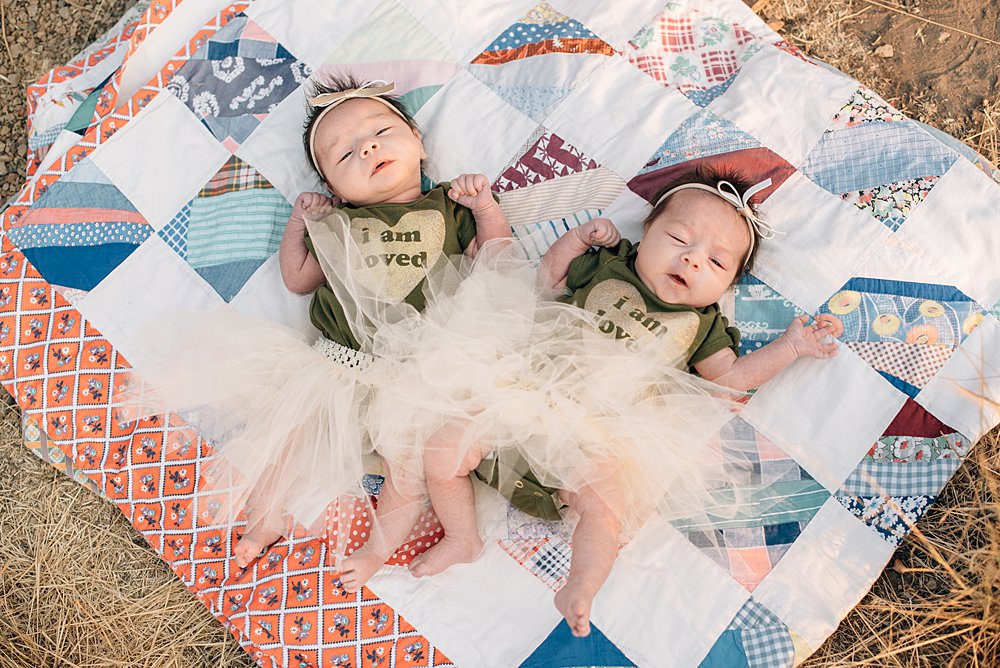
(676, 34)
(718, 66)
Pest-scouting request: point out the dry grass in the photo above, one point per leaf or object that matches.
(938, 603)
(79, 587)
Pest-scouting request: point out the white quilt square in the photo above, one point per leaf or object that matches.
(615, 28)
(687, 600)
(372, 43)
(896, 260)
(161, 158)
(628, 211)
(737, 12)
(617, 96)
(265, 296)
(275, 149)
(328, 25)
(965, 393)
(467, 27)
(509, 602)
(469, 128)
(139, 296)
(821, 242)
(784, 102)
(957, 226)
(825, 413)
(824, 574)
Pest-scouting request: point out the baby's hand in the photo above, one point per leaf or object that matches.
(311, 206)
(472, 191)
(807, 340)
(599, 232)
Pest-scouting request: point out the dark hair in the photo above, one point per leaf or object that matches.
(335, 83)
(710, 176)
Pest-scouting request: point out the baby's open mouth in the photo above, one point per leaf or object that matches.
(378, 167)
(677, 279)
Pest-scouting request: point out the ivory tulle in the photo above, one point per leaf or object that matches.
(517, 370)
(285, 420)
(491, 353)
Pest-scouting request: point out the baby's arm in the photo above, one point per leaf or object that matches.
(299, 269)
(573, 244)
(473, 191)
(755, 369)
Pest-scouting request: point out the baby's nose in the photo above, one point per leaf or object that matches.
(369, 146)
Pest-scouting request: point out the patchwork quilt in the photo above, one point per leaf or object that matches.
(162, 163)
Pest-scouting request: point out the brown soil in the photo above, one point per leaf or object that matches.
(938, 61)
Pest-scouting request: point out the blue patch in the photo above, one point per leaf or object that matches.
(521, 34)
(909, 390)
(236, 127)
(874, 154)
(79, 267)
(246, 48)
(78, 195)
(561, 649)
(935, 291)
(703, 134)
(705, 97)
(727, 652)
(532, 101)
(782, 534)
(228, 279)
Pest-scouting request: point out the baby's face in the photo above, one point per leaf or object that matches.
(368, 153)
(692, 251)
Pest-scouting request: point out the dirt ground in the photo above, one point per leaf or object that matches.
(936, 60)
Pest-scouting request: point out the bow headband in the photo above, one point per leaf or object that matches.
(740, 202)
(373, 90)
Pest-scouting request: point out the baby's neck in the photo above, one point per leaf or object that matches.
(405, 196)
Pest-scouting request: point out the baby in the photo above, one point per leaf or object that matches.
(701, 235)
(367, 149)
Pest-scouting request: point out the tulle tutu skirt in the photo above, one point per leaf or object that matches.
(507, 369)
(493, 361)
(284, 415)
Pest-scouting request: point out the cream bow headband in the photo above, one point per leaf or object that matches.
(742, 204)
(373, 90)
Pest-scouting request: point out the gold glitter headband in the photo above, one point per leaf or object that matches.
(742, 204)
(373, 90)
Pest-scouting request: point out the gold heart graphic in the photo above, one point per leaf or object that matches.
(399, 256)
(622, 315)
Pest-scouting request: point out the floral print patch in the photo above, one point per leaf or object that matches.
(891, 517)
(892, 202)
(864, 107)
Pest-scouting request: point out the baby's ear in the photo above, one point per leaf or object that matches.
(423, 153)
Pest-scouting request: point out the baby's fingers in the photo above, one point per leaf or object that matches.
(826, 350)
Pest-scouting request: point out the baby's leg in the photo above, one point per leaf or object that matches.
(595, 546)
(264, 523)
(453, 499)
(397, 514)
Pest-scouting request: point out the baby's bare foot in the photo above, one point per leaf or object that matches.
(573, 601)
(446, 553)
(253, 543)
(359, 568)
